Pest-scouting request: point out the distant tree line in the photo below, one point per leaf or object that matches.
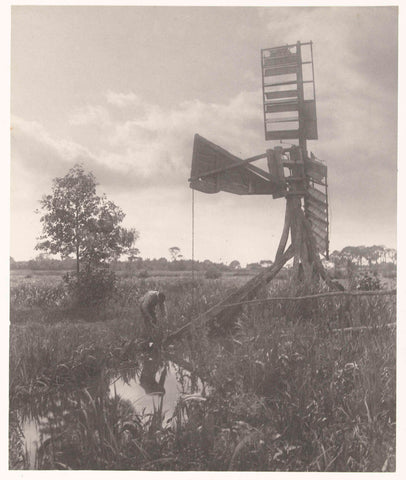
(85, 230)
(377, 256)
(362, 255)
(44, 262)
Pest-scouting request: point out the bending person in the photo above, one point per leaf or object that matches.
(148, 304)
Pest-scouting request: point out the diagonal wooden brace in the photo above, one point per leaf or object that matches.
(221, 313)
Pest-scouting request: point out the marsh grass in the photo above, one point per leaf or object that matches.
(287, 392)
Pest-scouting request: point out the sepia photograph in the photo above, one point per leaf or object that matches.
(203, 238)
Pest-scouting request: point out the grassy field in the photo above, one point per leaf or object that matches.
(288, 392)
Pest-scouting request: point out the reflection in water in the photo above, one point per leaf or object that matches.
(147, 378)
(58, 427)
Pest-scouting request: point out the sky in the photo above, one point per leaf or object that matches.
(123, 90)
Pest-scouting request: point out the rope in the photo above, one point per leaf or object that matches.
(193, 249)
(318, 295)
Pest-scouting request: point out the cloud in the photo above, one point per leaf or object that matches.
(355, 60)
(122, 99)
(147, 146)
(140, 150)
(90, 115)
(151, 144)
(35, 149)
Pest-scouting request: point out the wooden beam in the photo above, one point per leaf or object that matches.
(280, 70)
(311, 243)
(285, 234)
(284, 47)
(288, 106)
(297, 235)
(290, 59)
(281, 94)
(220, 312)
(238, 164)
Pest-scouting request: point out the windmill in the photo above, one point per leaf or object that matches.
(289, 109)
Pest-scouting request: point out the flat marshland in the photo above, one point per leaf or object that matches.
(282, 389)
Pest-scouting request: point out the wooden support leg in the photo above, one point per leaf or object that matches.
(285, 234)
(318, 266)
(307, 265)
(222, 313)
(293, 204)
(306, 260)
(307, 254)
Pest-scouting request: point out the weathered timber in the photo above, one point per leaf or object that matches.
(241, 163)
(306, 264)
(277, 70)
(311, 244)
(281, 134)
(290, 59)
(284, 236)
(221, 312)
(288, 106)
(281, 94)
(293, 203)
(215, 169)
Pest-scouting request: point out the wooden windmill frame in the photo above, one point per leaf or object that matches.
(293, 174)
(308, 227)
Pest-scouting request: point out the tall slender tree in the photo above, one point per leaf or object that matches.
(76, 221)
(175, 253)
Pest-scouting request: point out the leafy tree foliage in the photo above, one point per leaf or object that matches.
(254, 266)
(373, 255)
(235, 264)
(92, 288)
(77, 221)
(175, 253)
(368, 281)
(133, 255)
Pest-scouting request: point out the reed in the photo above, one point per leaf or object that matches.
(288, 392)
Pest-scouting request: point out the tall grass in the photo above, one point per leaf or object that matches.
(288, 392)
(314, 401)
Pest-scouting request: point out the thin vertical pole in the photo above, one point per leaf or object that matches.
(193, 249)
(328, 221)
(314, 84)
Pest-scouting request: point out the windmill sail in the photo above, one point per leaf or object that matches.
(288, 93)
(214, 170)
(316, 203)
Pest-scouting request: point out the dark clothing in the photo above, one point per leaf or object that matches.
(148, 377)
(148, 306)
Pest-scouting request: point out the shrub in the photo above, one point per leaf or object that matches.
(143, 274)
(92, 287)
(369, 281)
(241, 273)
(212, 273)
